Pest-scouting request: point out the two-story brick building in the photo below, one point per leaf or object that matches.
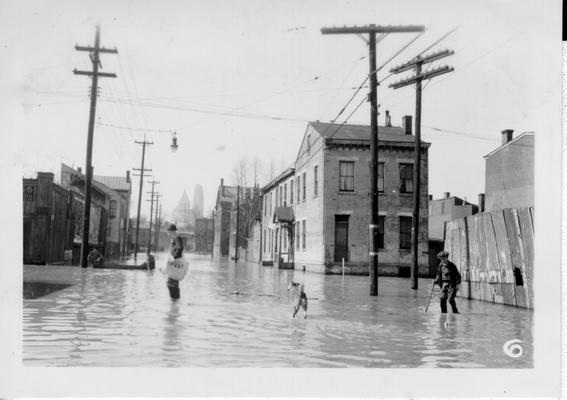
(328, 193)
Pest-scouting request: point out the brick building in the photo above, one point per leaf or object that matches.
(510, 173)
(328, 194)
(446, 209)
(222, 213)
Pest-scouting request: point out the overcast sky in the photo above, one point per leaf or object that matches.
(242, 79)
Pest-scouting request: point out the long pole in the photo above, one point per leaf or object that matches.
(373, 228)
(95, 58)
(417, 181)
(237, 223)
(142, 170)
(213, 241)
(156, 230)
(151, 214)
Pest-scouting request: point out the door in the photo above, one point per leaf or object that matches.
(341, 237)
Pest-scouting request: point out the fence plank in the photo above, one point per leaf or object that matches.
(491, 250)
(483, 252)
(473, 248)
(527, 235)
(503, 246)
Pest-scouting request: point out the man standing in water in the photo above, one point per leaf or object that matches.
(449, 279)
(176, 251)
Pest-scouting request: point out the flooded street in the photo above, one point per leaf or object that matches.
(239, 316)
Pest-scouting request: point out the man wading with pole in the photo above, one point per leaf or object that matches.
(449, 279)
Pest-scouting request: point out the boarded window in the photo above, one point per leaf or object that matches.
(112, 209)
(406, 178)
(381, 220)
(405, 232)
(346, 176)
(380, 177)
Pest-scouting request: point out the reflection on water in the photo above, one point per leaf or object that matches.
(239, 316)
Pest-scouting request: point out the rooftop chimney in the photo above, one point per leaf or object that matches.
(430, 197)
(406, 123)
(79, 170)
(447, 195)
(481, 202)
(128, 176)
(507, 135)
(222, 186)
(388, 119)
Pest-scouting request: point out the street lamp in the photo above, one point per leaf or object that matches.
(174, 145)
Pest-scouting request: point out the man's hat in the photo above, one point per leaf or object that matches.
(171, 227)
(442, 254)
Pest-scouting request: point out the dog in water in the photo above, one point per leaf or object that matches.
(297, 297)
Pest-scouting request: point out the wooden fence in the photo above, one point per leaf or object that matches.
(494, 252)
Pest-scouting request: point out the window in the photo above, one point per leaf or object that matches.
(298, 187)
(264, 244)
(285, 195)
(297, 229)
(291, 191)
(308, 143)
(381, 177)
(406, 178)
(405, 233)
(315, 181)
(112, 209)
(265, 199)
(304, 179)
(346, 176)
(270, 203)
(381, 220)
(303, 234)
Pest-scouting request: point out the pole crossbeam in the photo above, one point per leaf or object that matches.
(422, 60)
(94, 74)
(92, 49)
(373, 29)
(101, 74)
(420, 77)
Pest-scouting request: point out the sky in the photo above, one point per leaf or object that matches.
(242, 79)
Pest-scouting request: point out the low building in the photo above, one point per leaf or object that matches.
(203, 235)
(46, 221)
(510, 173)
(118, 213)
(328, 197)
(222, 213)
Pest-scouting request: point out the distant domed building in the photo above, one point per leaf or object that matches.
(183, 216)
(198, 201)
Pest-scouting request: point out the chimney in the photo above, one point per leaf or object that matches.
(79, 170)
(430, 197)
(481, 202)
(388, 119)
(447, 195)
(406, 124)
(222, 186)
(507, 135)
(128, 176)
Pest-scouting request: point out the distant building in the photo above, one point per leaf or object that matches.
(203, 235)
(183, 215)
(510, 173)
(327, 198)
(198, 201)
(222, 213)
(118, 212)
(249, 205)
(446, 209)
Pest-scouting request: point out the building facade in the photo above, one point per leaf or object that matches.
(447, 209)
(328, 192)
(203, 235)
(510, 173)
(222, 214)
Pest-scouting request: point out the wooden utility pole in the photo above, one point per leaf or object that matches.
(156, 234)
(151, 200)
(372, 30)
(237, 223)
(142, 170)
(213, 241)
(94, 74)
(417, 63)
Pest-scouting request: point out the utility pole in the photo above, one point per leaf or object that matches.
(372, 30)
(151, 213)
(142, 170)
(156, 234)
(237, 223)
(213, 241)
(94, 74)
(417, 63)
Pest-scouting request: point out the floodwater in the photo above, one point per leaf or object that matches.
(240, 316)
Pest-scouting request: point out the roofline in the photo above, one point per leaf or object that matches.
(527, 133)
(103, 187)
(288, 172)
